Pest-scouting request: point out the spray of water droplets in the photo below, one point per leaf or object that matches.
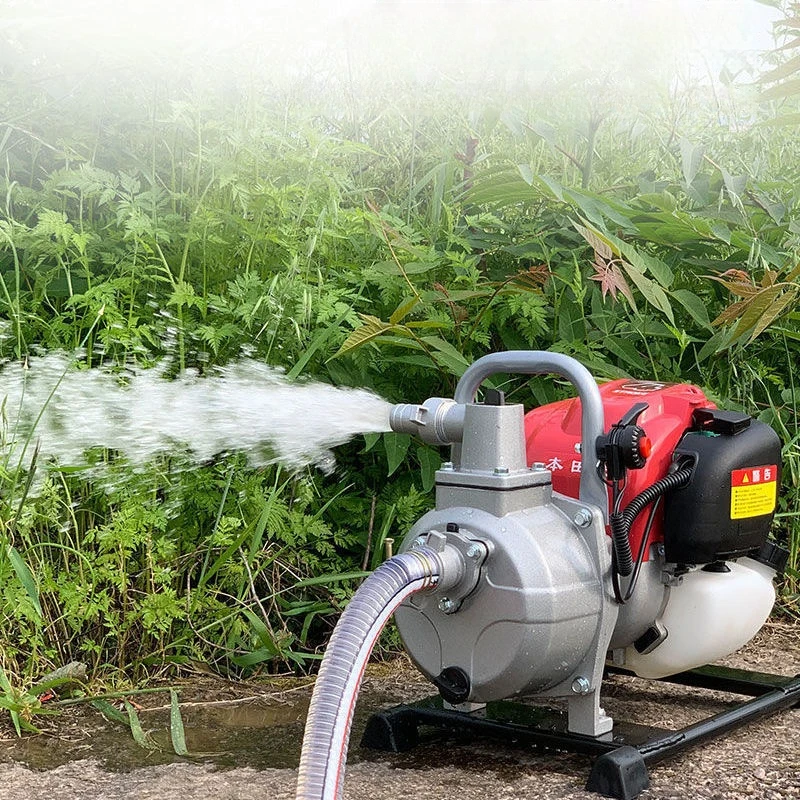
(246, 407)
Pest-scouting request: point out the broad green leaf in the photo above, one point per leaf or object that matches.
(335, 577)
(626, 351)
(526, 172)
(774, 310)
(735, 184)
(511, 118)
(499, 190)
(694, 306)
(776, 210)
(555, 188)
(396, 446)
(426, 324)
(599, 243)
(109, 711)
(756, 308)
(544, 130)
(641, 263)
(588, 206)
(782, 72)
(644, 262)
(691, 160)
(411, 360)
(446, 355)
(144, 740)
(722, 232)
(370, 440)
(720, 341)
(663, 200)
(404, 309)
(650, 290)
(258, 656)
(176, 729)
(773, 256)
(372, 328)
(782, 90)
(25, 577)
(401, 337)
(262, 632)
(429, 461)
(316, 343)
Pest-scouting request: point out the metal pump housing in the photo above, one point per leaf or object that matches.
(540, 613)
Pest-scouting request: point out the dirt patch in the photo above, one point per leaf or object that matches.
(251, 735)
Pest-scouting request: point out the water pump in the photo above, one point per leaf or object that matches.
(624, 529)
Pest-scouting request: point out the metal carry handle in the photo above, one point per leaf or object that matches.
(542, 362)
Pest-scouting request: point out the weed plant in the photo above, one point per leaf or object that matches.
(384, 240)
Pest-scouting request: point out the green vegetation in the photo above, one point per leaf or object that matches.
(384, 242)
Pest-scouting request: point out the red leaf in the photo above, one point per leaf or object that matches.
(610, 277)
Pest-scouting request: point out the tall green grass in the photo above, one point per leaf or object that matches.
(385, 247)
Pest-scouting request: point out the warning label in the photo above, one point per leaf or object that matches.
(753, 491)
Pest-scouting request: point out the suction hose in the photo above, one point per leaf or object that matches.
(330, 715)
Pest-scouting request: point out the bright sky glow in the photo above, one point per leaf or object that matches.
(367, 41)
(713, 25)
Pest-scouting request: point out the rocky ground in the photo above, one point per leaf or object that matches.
(246, 743)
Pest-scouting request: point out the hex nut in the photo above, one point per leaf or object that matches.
(581, 685)
(447, 606)
(583, 518)
(474, 551)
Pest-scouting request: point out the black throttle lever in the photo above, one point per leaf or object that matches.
(634, 412)
(625, 446)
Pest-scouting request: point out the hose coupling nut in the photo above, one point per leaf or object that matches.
(459, 560)
(437, 421)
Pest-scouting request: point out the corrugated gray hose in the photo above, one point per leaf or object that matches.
(322, 761)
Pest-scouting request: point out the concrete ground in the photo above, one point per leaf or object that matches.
(759, 761)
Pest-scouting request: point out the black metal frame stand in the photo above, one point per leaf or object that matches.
(622, 756)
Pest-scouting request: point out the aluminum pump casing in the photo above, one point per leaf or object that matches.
(540, 618)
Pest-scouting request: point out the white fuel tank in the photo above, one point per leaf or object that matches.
(708, 616)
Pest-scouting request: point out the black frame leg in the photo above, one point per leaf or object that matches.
(620, 768)
(620, 773)
(393, 731)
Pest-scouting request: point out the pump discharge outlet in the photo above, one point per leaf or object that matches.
(556, 547)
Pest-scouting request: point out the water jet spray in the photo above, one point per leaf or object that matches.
(624, 530)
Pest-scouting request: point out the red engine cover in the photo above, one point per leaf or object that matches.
(552, 433)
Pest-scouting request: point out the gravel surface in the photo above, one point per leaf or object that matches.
(759, 761)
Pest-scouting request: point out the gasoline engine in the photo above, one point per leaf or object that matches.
(625, 528)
